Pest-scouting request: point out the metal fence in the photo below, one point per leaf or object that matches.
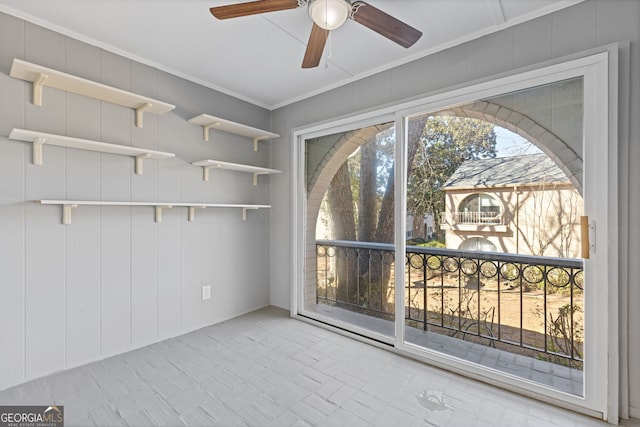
(528, 303)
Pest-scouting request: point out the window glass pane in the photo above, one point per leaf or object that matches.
(350, 214)
(498, 279)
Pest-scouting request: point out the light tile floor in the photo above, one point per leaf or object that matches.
(266, 369)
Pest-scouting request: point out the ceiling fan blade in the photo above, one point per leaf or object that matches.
(315, 47)
(384, 24)
(252, 8)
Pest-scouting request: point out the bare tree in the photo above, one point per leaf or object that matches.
(548, 215)
(371, 182)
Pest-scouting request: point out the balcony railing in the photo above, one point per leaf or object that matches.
(452, 219)
(530, 305)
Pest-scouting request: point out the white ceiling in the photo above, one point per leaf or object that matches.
(257, 58)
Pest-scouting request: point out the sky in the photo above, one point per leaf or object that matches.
(511, 144)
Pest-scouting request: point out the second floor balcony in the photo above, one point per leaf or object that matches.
(473, 221)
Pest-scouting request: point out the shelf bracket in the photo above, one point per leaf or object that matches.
(159, 211)
(206, 128)
(139, 110)
(37, 88)
(205, 172)
(66, 213)
(244, 212)
(192, 212)
(139, 159)
(256, 140)
(255, 179)
(37, 150)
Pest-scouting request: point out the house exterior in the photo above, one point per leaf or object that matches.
(422, 227)
(521, 204)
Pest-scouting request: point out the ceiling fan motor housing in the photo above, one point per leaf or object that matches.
(329, 14)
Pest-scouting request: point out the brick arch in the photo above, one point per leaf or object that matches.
(326, 169)
(560, 152)
(318, 182)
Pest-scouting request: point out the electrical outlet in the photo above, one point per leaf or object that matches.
(206, 292)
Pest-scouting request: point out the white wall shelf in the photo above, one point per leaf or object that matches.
(42, 76)
(211, 122)
(217, 164)
(68, 205)
(39, 139)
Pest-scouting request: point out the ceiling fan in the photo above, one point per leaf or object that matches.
(327, 15)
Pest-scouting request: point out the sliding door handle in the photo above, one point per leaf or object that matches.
(585, 241)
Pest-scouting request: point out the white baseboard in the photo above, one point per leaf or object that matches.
(634, 412)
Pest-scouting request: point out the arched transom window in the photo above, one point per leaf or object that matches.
(478, 244)
(480, 209)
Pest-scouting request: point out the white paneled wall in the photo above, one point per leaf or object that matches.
(114, 279)
(572, 30)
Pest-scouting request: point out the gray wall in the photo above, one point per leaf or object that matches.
(581, 27)
(114, 280)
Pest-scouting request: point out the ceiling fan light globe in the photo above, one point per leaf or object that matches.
(329, 14)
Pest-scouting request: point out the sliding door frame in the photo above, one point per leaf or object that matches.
(599, 183)
(599, 70)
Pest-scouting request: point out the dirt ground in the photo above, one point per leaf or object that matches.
(499, 311)
(493, 310)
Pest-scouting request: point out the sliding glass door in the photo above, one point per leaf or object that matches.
(498, 279)
(461, 229)
(350, 228)
(502, 277)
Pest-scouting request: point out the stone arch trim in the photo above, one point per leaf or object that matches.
(561, 153)
(324, 172)
(317, 185)
(557, 150)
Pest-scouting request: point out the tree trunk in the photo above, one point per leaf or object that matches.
(341, 204)
(340, 200)
(385, 230)
(415, 131)
(367, 209)
(386, 221)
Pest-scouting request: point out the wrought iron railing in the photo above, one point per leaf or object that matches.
(472, 218)
(531, 303)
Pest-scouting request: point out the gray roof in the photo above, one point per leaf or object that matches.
(506, 171)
